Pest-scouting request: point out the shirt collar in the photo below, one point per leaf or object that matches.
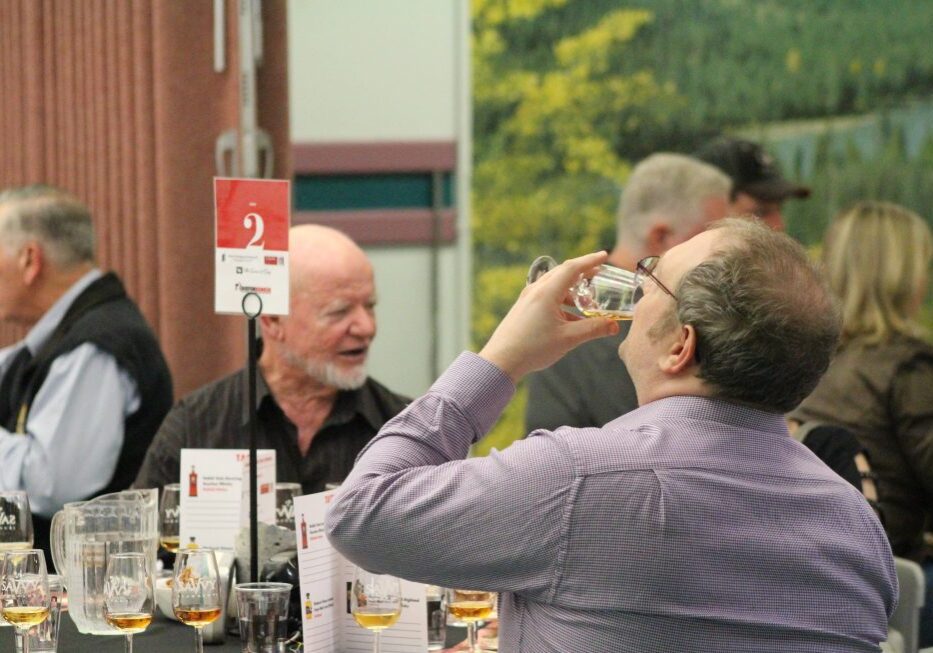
(705, 408)
(347, 404)
(42, 329)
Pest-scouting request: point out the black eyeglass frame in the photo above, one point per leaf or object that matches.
(646, 267)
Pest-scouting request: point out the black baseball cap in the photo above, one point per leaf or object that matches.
(752, 170)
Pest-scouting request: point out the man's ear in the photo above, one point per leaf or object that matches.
(31, 261)
(658, 238)
(681, 355)
(271, 327)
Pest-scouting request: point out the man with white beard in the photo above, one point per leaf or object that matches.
(316, 406)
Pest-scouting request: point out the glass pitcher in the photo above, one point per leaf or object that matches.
(85, 533)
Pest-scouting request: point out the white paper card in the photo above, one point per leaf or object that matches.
(251, 222)
(326, 577)
(215, 494)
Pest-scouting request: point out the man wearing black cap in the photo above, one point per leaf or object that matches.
(758, 187)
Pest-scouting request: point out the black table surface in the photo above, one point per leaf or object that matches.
(162, 636)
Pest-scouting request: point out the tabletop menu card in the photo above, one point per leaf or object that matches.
(215, 494)
(326, 577)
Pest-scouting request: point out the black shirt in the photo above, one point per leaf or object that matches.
(216, 417)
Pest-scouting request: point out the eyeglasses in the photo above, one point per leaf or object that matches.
(646, 267)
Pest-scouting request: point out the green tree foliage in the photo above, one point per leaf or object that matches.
(550, 109)
(750, 61)
(549, 116)
(844, 174)
(569, 93)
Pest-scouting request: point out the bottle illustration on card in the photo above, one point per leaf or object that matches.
(193, 483)
(309, 606)
(304, 532)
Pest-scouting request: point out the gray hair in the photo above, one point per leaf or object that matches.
(766, 322)
(56, 219)
(672, 186)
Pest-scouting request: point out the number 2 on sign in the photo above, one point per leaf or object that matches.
(249, 221)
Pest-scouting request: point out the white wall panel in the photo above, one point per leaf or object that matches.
(363, 70)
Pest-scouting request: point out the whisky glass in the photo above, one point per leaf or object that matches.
(612, 292)
(128, 594)
(262, 612)
(471, 606)
(15, 521)
(24, 590)
(196, 597)
(169, 513)
(375, 602)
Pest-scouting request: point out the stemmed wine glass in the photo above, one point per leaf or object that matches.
(375, 601)
(15, 521)
(196, 597)
(128, 594)
(471, 606)
(169, 511)
(24, 590)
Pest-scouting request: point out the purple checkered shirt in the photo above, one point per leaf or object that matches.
(689, 524)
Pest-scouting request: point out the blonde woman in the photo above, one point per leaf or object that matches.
(880, 384)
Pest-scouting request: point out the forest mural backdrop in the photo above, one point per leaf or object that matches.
(570, 94)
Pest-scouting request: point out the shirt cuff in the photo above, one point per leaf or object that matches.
(478, 387)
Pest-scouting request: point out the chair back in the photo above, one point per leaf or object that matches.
(906, 618)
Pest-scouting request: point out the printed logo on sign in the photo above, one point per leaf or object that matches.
(265, 488)
(285, 511)
(263, 271)
(259, 290)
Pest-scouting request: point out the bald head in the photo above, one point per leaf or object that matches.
(317, 252)
(331, 323)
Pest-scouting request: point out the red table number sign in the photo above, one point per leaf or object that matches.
(252, 218)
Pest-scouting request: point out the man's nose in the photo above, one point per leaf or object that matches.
(364, 323)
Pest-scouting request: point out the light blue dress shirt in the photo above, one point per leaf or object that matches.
(74, 432)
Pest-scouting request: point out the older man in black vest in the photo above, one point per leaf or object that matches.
(83, 393)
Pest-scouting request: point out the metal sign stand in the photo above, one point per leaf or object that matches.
(242, 148)
(252, 308)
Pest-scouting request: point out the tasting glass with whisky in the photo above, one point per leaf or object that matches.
(169, 517)
(612, 292)
(24, 590)
(375, 602)
(471, 606)
(128, 594)
(196, 596)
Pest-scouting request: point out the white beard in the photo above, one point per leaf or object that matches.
(328, 374)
